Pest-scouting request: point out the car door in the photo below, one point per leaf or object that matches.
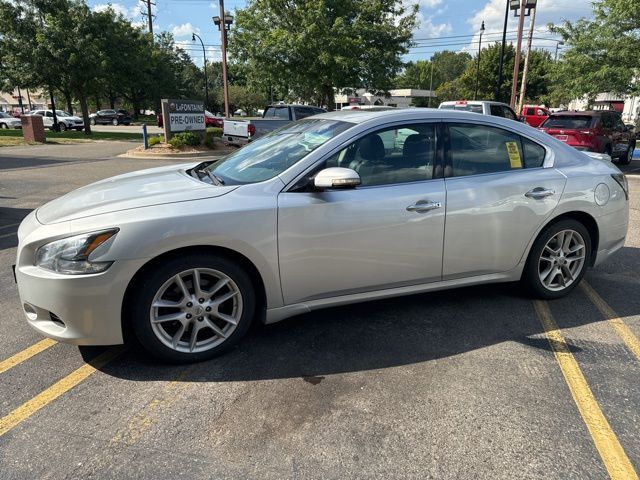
(498, 195)
(385, 233)
(48, 118)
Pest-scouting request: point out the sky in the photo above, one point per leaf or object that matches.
(444, 24)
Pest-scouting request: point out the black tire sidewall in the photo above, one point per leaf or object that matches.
(626, 159)
(530, 275)
(137, 312)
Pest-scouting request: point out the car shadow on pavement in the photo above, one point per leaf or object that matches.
(364, 336)
(10, 219)
(373, 335)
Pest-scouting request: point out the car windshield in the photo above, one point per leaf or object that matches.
(4, 115)
(463, 107)
(62, 113)
(568, 121)
(274, 153)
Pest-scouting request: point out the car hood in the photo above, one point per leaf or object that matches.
(143, 188)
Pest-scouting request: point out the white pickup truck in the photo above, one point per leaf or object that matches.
(241, 132)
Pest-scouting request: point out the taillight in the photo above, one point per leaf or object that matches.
(251, 129)
(622, 181)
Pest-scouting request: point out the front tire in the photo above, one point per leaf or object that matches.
(92, 121)
(62, 126)
(558, 259)
(114, 122)
(192, 308)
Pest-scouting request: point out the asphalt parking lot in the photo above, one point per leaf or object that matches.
(478, 382)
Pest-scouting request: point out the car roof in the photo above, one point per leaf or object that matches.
(473, 102)
(584, 113)
(411, 114)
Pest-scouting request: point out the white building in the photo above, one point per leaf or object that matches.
(628, 106)
(401, 97)
(31, 99)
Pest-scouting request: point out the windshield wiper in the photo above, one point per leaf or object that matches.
(214, 179)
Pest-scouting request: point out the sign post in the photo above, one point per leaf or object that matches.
(182, 116)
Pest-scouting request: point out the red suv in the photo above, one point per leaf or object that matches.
(599, 131)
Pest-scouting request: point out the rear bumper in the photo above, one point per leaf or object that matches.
(235, 140)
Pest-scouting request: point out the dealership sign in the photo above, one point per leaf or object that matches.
(182, 115)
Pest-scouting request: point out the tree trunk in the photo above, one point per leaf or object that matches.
(112, 100)
(98, 106)
(329, 96)
(67, 99)
(85, 113)
(135, 102)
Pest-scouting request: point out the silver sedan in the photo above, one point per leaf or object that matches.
(335, 209)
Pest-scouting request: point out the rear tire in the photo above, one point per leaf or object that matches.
(558, 259)
(203, 306)
(627, 157)
(92, 121)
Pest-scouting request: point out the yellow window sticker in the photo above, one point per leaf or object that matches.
(514, 154)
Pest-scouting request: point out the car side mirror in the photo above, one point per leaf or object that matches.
(337, 177)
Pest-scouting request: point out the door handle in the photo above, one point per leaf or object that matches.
(539, 193)
(423, 206)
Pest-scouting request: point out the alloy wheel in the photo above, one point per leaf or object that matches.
(196, 310)
(562, 260)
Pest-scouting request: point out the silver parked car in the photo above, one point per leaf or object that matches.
(339, 208)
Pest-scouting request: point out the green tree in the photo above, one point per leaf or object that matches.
(600, 55)
(243, 98)
(464, 86)
(447, 66)
(311, 47)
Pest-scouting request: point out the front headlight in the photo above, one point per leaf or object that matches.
(71, 255)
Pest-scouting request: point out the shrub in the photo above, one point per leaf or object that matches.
(212, 133)
(155, 140)
(184, 138)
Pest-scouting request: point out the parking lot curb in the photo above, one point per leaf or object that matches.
(139, 154)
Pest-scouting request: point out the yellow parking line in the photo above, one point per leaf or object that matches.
(26, 354)
(41, 400)
(620, 327)
(613, 455)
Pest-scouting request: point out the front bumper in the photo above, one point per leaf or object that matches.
(77, 309)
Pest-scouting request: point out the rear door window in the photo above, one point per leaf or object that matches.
(303, 112)
(496, 111)
(607, 121)
(479, 149)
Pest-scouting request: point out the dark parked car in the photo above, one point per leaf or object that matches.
(110, 117)
(599, 131)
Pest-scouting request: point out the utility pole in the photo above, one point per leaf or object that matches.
(557, 47)
(516, 63)
(223, 22)
(431, 83)
(206, 79)
(475, 95)
(525, 70)
(149, 15)
(504, 40)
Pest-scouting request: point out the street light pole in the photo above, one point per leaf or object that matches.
(206, 79)
(504, 41)
(516, 63)
(223, 22)
(475, 95)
